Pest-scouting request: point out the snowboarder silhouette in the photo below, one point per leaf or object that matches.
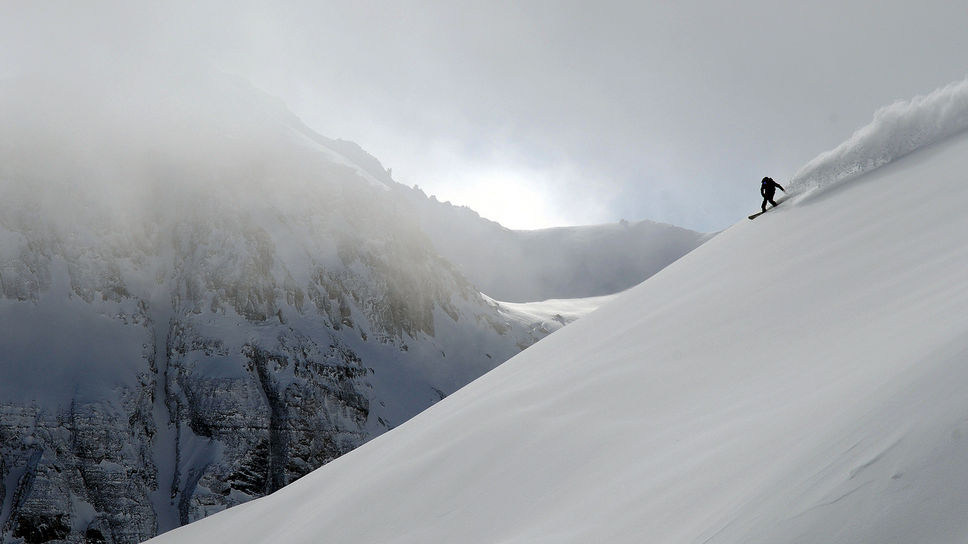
(767, 190)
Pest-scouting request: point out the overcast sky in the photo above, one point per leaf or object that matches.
(545, 113)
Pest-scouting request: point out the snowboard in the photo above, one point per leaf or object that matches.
(757, 214)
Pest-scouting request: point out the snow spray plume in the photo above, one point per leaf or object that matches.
(898, 129)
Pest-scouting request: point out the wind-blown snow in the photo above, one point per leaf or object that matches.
(897, 130)
(798, 378)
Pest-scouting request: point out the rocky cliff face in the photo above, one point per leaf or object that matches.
(197, 311)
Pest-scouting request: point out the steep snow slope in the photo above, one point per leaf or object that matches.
(798, 378)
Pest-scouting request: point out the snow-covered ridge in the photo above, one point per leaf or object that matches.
(555, 263)
(897, 130)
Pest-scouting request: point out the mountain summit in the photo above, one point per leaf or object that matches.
(798, 378)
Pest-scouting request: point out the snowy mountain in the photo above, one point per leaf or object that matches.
(555, 263)
(202, 300)
(798, 378)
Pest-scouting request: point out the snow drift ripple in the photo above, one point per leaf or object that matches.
(898, 129)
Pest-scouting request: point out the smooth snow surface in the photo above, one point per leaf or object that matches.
(798, 378)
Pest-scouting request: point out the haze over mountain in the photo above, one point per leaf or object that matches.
(556, 263)
(203, 300)
(798, 378)
(539, 113)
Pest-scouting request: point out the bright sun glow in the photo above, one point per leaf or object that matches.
(500, 185)
(512, 199)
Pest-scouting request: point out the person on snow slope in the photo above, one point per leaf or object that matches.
(767, 189)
